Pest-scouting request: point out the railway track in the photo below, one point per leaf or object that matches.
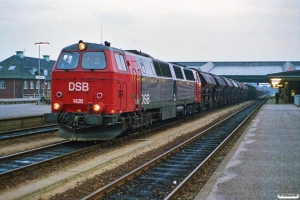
(21, 162)
(26, 132)
(174, 169)
(25, 161)
(28, 160)
(47, 166)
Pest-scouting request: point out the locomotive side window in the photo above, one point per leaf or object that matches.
(152, 67)
(178, 72)
(68, 60)
(157, 68)
(162, 69)
(189, 75)
(165, 69)
(121, 62)
(142, 66)
(93, 60)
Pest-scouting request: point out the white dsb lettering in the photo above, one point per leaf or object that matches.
(78, 86)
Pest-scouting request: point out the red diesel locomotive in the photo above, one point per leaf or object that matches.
(99, 91)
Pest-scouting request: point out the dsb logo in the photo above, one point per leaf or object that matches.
(78, 86)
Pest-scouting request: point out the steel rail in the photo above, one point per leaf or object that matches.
(37, 164)
(106, 189)
(24, 153)
(27, 131)
(176, 192)
(44, 162)
(135, 135)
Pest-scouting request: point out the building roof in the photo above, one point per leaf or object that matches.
(296, 65)
(249, 68)
(287, 76)
(21, 67)
(284, 77)
(245, 70)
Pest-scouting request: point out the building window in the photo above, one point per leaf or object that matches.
(25, 85)
(11, 67)
(31, 85)
(2, 84)
(38, 85)
(49, 85)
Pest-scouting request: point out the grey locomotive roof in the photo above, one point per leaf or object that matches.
(90, 47)
(139, 53)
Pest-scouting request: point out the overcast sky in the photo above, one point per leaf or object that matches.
(170, 30)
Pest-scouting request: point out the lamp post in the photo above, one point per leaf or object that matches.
(39, 44)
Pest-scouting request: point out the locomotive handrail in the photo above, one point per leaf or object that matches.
(141, 81)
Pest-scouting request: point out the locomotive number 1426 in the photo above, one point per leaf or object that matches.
(78, 101)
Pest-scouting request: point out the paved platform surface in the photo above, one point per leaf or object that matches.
(23, 110)
(264, 162)
(18, 101)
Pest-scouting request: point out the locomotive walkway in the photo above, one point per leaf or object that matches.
(265, 162)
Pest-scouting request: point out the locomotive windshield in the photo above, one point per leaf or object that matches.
(93, 60)
(68, 60)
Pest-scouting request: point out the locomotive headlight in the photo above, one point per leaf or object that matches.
(81, 45)
(98, 107)
(57, 106)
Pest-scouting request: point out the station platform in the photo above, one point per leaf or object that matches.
(265, 162)
(23, 110)
(18, 101)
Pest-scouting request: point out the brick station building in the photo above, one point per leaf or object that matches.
(18, 76)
